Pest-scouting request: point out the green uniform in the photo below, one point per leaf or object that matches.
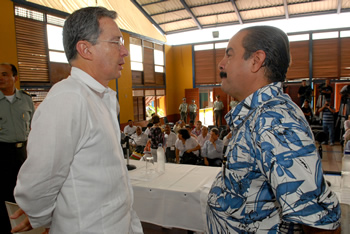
(15, 117)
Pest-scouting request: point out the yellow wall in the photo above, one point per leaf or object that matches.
(8, 49)
(125, 87)
(178, 75)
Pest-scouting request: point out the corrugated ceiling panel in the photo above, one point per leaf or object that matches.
(192, 3)
(345, 4)
(179, 25)
(253, 4)
(312, 7)
(218, 19)
(213, 9)
(160, 7)
(178, 15)
(262, 13)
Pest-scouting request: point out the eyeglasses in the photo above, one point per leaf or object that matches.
(119, 43)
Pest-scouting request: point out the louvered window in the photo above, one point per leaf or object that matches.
(31, 45)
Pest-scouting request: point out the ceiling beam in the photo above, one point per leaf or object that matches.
(150, 3)
(191, 13)
(286, 12)
(147, 16)
(339, 7)
(237, 11)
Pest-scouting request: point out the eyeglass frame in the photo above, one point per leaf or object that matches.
(119, 43)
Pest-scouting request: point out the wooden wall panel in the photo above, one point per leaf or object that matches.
(345, 57)
(204, 67)
(299, 67)
(219, 55)
(148, 66)
(325, 58)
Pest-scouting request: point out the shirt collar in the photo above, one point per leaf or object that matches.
(249, 104)
(17, 94)
(82, 76)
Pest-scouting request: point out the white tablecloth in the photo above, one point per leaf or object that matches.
(176, 198)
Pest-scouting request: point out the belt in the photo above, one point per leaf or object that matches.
(14, 144)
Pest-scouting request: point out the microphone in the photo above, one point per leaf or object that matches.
(125, 140)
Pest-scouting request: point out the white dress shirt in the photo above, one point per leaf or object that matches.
(129, 130)
(170, 139)
(190, 143)
(139, 139)
(202, 139)
(75, 179)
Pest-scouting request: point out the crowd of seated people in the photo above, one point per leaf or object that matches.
(183, 143)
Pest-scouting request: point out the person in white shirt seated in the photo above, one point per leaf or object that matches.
(212, 150)
(198, 129)
(130, 128)
(203, 137)
(179, 124)
(148, 129)
(170, 140)
(138, 140)
(189, 129)
(187, 148)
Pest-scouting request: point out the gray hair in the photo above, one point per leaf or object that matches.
(83, 25)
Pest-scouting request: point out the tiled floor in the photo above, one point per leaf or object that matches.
(331, 162)
(331, 158)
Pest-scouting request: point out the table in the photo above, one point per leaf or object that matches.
(177, 198)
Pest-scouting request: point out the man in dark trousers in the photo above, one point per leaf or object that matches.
(16, 111)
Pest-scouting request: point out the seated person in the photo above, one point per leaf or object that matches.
(346, 135)
(198, 129)
(178, 125)
(130, 128)
(170, 140)
(138, 140)
(203, 137)
(189, 129)
(191, 124)
(147, 131)
(307, 111)
(212, 150)
(187, 148)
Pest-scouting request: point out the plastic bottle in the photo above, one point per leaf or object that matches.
(160, 159)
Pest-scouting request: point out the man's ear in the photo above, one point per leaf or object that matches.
(84, 49)
(16, 78)
(258, 57)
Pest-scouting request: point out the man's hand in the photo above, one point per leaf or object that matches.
(24, 225)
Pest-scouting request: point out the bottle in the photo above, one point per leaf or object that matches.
(160, 159)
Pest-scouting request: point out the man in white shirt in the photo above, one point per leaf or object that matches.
(170, 139)
(139, 139)
(75, 179)
(130, 128)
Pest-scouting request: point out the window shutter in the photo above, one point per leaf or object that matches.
(204, 67)
(31, 50)
(299, 67)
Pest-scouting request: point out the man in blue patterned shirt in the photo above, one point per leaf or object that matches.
(273, 180)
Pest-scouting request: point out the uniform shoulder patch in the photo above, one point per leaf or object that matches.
(25, 92)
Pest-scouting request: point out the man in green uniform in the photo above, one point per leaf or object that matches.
(16, 111)
(183, 110)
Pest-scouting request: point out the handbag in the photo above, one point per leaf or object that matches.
(189, 158)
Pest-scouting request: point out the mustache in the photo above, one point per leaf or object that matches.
(223, 74)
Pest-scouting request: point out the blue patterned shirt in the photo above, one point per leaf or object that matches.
(273, 179)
